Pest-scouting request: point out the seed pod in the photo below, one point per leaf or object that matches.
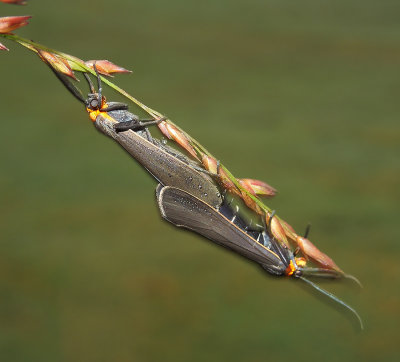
(250, 203)
(15, 2)
(10, 23)
(106, 67)
(59, 64)
(210, 164)
(257, 187)
(227, 183)
(172, 132)
(310, 251)
(276, 229)
(3, 47)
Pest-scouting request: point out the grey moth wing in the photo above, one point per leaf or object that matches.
(187, 211)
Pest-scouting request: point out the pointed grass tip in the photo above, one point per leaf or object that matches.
(173, 133)
(276, 229)
(354, 279)
(257, 187)
(59, 64)
(10, 23)
(209, 163)
(15, 2)
(310, 251)
(3, 47)
(105, 67)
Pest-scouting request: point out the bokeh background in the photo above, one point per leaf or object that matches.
(301, 94)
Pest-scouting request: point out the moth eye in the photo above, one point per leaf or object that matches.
(94, 103)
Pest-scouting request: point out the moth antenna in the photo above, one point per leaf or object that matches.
(308, 228)
(99, 85)
(336, 299)
(91, 86)
(264, 223)
(354, 279)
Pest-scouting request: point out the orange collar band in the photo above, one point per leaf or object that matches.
(290, 269)
(93, 114)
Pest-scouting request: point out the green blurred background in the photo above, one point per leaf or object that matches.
(301, 94)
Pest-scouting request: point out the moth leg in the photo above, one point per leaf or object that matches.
(150, 122)
(235, 214)
(135, 124)
(258, 240)
(125, 126)
(273, 212)
(148, 135)
(253, 225)
(239, 222)
(116, 106)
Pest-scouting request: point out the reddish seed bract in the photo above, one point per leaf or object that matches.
(15, 2)
(106, 67)
(3, 47)
(10, 23)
